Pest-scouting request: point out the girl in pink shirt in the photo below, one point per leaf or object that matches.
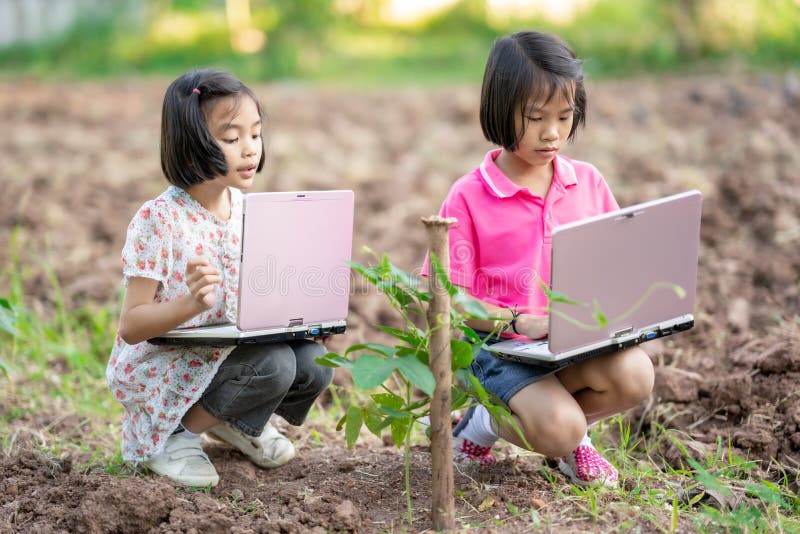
(532, 102)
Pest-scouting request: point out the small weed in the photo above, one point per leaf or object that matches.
(315, 438)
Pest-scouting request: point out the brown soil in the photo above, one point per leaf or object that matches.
(81, 158)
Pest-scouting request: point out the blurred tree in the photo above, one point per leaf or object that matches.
(297, 34)
(153, 8)
(365, 12)
(244, 37)
(686, 21)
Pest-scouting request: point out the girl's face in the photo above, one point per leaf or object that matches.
(236, 126)
(547, 126)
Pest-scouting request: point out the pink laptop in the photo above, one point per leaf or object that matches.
(294, 277)
(638, 264)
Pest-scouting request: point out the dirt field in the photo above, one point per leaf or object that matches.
(77, 161)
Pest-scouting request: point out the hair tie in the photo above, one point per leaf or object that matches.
(196, 91)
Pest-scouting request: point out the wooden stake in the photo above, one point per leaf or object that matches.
(443, 505)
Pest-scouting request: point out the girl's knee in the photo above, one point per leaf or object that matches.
(277, 362)
(315, 377)
(558, 430)
(635, 376)
(321, 378)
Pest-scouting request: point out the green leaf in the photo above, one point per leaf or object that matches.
(415, 310)
(707, 479)
(400, 429)
(374, 422)
(412, 283)
(7, 318)
(458, 397)
(472, 307)
(598, 315)
(415, 337)
(555, 296)
(442, 276)
(340, 423)
(461, 354)
(462, 377)
(476, 389)
(366, 250)
(369, 273)
(393, 291)
(371, 371)
(393, 414)
(679, 291)
(384, 263)
(353, 426)
(500, 413)
(417, 373)
(390, 400)
(421, 355)
(469, 332)
(377, 348)
(334, 360)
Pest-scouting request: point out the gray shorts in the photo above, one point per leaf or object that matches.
(256, 381)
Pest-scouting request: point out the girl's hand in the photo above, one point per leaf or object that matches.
(202, 279)
(533, 326)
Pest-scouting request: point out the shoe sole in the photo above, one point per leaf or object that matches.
(266, 464)
(187, 481)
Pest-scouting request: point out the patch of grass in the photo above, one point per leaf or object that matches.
(54, 365)
(720, 492)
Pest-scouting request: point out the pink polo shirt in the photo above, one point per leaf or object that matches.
(500, 247)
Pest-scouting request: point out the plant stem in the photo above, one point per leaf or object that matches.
(408, 459)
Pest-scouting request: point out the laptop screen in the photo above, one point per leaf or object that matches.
(295, 252)
(631, 268)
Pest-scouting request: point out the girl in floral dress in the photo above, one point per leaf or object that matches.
(180, 265)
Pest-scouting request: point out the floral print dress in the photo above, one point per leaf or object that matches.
(158, 384)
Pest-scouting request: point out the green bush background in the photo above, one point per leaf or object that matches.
(319, 41)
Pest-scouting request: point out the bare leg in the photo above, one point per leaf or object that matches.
(609, 384)
(553, 413)
(198, 420)
(549, 416)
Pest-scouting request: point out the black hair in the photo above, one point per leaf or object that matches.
(527, 66)
(189, 153)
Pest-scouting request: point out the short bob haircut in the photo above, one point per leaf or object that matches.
(522, 68)
(189, 153)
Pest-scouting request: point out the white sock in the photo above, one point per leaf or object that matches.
(187, 434)
(479, 428)
(586, 440)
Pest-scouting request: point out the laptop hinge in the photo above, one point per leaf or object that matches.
(623, 332)
(296, 322)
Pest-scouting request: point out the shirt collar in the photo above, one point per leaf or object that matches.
(501, 185)
(178, 193)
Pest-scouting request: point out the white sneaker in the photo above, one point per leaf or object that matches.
(270, 449)
(183, 461)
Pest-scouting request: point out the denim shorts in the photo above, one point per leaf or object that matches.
(504, 378)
